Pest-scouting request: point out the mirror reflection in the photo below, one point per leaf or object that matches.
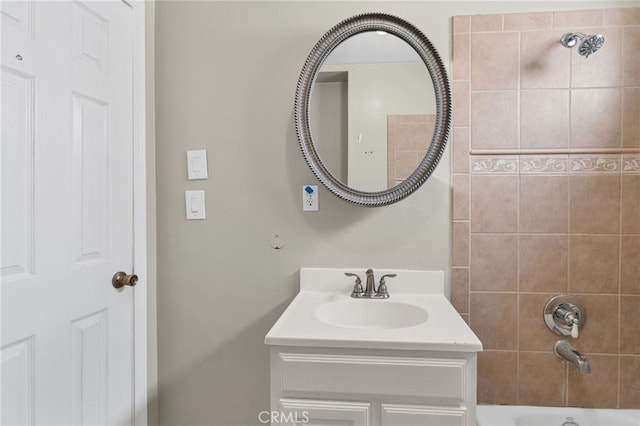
(372, 111)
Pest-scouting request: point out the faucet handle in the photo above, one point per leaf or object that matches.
(382, 288)
(571, 316)
(357, 288)
(574, 330)
(564, 314)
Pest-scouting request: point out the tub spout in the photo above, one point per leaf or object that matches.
(564, 350)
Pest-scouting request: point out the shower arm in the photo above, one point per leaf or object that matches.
(571, 39)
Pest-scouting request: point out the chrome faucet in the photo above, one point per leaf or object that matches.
(370, 288)
(564, 350)
(370, 292)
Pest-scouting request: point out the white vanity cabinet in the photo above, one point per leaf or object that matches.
(406, 360)
(318, 386)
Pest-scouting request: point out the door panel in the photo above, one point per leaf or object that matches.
(17, 369)
(67, 212)
(89, 378)
(17, 174)
(89, 179)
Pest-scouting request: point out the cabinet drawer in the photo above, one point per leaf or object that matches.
(319, 412)
(373, 375)
(416, 415)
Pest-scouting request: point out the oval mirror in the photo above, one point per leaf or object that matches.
(372, 111)
(365, 95)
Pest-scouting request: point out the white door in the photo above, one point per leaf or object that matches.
(67, 212)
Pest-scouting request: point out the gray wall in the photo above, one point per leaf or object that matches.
(225, 77)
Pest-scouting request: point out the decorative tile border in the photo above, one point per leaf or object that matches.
(494, 165)
(630, 164)
(592, 164)
(544, 165)
(555, 164)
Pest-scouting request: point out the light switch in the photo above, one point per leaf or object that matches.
(197, 164)
(194, 202)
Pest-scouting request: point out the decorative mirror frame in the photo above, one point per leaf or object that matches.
(429, 55)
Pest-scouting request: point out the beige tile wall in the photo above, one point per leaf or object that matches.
(546, 200)
(407, 144)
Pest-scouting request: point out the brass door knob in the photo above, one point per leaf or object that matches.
(120, 279)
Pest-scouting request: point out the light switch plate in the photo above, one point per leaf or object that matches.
(194, 203)
(197, 164)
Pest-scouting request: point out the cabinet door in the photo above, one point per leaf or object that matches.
(323, 413)
(417, 415)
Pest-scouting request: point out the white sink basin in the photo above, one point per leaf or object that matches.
(371, 314)
(417, 316)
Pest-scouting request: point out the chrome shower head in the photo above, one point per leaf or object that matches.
(589, 43)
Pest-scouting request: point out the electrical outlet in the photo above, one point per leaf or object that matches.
(310, 198)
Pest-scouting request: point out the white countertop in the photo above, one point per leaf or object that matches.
(444, 330)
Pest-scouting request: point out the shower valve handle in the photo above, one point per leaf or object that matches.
(564, 314)
(574, 330)
(569, 314)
